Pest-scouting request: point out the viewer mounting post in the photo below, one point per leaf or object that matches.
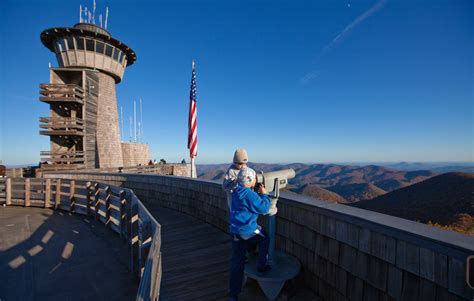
(284, 266)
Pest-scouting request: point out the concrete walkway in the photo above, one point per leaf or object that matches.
(54, 255)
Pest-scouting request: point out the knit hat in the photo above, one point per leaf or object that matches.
(246, 176)
(240, 156)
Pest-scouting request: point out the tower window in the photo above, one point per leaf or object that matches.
(116, 54)
(80, 43)
(108, 50)
(58, 46)
(70, 43)
(99, 47)
(89, 45)
(61, 44)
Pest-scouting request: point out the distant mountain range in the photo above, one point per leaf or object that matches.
(332, 182)
(438, 167)
(445, 200)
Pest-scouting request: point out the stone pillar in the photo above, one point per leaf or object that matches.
(108, 130)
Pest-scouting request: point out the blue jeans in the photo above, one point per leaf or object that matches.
(237, 265)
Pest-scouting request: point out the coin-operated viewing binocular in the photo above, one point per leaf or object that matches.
(274, 180)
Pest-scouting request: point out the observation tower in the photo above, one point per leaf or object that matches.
(84, 124)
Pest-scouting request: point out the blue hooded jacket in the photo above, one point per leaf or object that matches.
(245, 208)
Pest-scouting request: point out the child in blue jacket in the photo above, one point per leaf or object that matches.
(246, 206)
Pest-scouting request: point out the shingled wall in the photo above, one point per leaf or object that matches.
(108, 130)
(346, 253)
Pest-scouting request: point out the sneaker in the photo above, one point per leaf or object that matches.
(262, 271)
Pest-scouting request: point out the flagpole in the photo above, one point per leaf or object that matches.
(193, 169)
(192, 130)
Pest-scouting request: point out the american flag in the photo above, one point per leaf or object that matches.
(192, 124)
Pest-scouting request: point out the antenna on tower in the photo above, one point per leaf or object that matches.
(134, 121)
(93, 14)
(130, 123)
(139, 129)
(85, 14)
(80, 13)
(89, 17)
(100, 20)
(141, 121)
(106, 16)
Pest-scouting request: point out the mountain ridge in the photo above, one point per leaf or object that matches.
(445, 200)
(333, 178)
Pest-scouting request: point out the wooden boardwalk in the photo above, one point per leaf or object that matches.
(196, 259)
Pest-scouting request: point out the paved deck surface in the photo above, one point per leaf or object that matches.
(196, 261)
(53, 255)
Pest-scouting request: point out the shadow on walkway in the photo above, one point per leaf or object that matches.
(55, 255)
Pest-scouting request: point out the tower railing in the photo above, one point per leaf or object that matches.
(62, 126)
(61, 158)
(53, 93)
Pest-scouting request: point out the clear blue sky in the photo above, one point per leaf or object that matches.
(293, 81)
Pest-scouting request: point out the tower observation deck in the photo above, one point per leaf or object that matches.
(89, 46)
(84, 125)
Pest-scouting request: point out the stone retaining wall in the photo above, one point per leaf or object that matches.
(346, 253)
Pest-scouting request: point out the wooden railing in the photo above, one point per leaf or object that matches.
(180, 169)
(16, 172)
(167, 169)
(54, 124)
(117, 208)
(66, 126)
(61, 93)
(62, 158)
(2, 187)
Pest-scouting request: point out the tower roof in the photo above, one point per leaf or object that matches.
(48, 37)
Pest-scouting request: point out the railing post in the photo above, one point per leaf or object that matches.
(107, 206)
(156, 264)
(123, 214)
(27, 192)
(133, 235)
(57, 203)
(96, 201)
(144, 236)
(8, 191)
(47, 194)
(88, 197)
(72, 198)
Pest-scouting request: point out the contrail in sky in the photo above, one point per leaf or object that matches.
(376, 7)
(361, 18)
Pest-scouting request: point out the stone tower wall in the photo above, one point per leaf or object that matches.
(108, 131)
(135, 154)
